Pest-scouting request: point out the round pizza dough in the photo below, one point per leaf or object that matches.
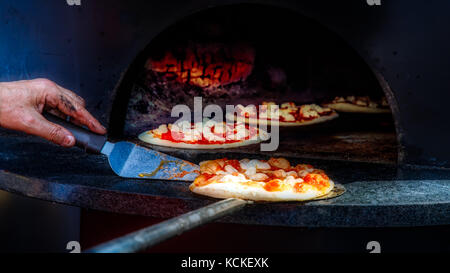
(253, 121)
(254, 193)
(352, 108)
(148, 138)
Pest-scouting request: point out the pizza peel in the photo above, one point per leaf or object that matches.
(129, 160)
(155, 234)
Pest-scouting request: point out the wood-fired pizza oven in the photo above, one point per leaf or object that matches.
(227, 57)
(322, 49)
(134, 60)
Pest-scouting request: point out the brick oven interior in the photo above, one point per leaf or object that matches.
(227, 57)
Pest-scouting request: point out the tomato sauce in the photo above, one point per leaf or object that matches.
(203, 179)
(318, 180)
(272, 186)
(298, 187)
(235, 164)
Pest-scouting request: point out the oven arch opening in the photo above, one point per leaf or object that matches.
(283, 57)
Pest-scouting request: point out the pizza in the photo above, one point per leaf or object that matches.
(354, 104)
(260, 180)
(289, 114)
(204, 135)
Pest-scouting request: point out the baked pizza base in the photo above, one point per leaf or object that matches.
(257, 193)
(253, 121)
(148, 138)
(274, 180)
(352, 108)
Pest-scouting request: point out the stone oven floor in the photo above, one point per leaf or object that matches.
(349, 138)
(378, 194)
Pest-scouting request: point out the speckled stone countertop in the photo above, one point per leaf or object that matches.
(378, 195)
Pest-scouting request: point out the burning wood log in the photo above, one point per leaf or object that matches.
(205, 65)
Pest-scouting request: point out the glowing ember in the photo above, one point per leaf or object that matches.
(209, 65)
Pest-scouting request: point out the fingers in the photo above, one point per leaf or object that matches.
(70, 104)
(51, 87)
(63, 116)
(21, 105)
(72, 95)
(81, 115)
(56, 112)
(39, 126)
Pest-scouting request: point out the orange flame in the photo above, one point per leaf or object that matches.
(209, 65)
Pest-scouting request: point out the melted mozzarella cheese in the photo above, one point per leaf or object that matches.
(242, 133)
(259, 177)
(208, 135)
(289, 105)
(250, 171)
(162, 129)
(339, 99)
(286, 114)
(254, 163)
(229, 178)
(307, 111)
(219, 128)
(230, 169)
(192, 135)
(292, 181)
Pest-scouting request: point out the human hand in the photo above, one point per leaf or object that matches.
(22, 104)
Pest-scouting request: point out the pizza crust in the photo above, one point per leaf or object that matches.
(274, 180)
(148, 138)
(242, 191)
(253, 121)
(352, 108)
